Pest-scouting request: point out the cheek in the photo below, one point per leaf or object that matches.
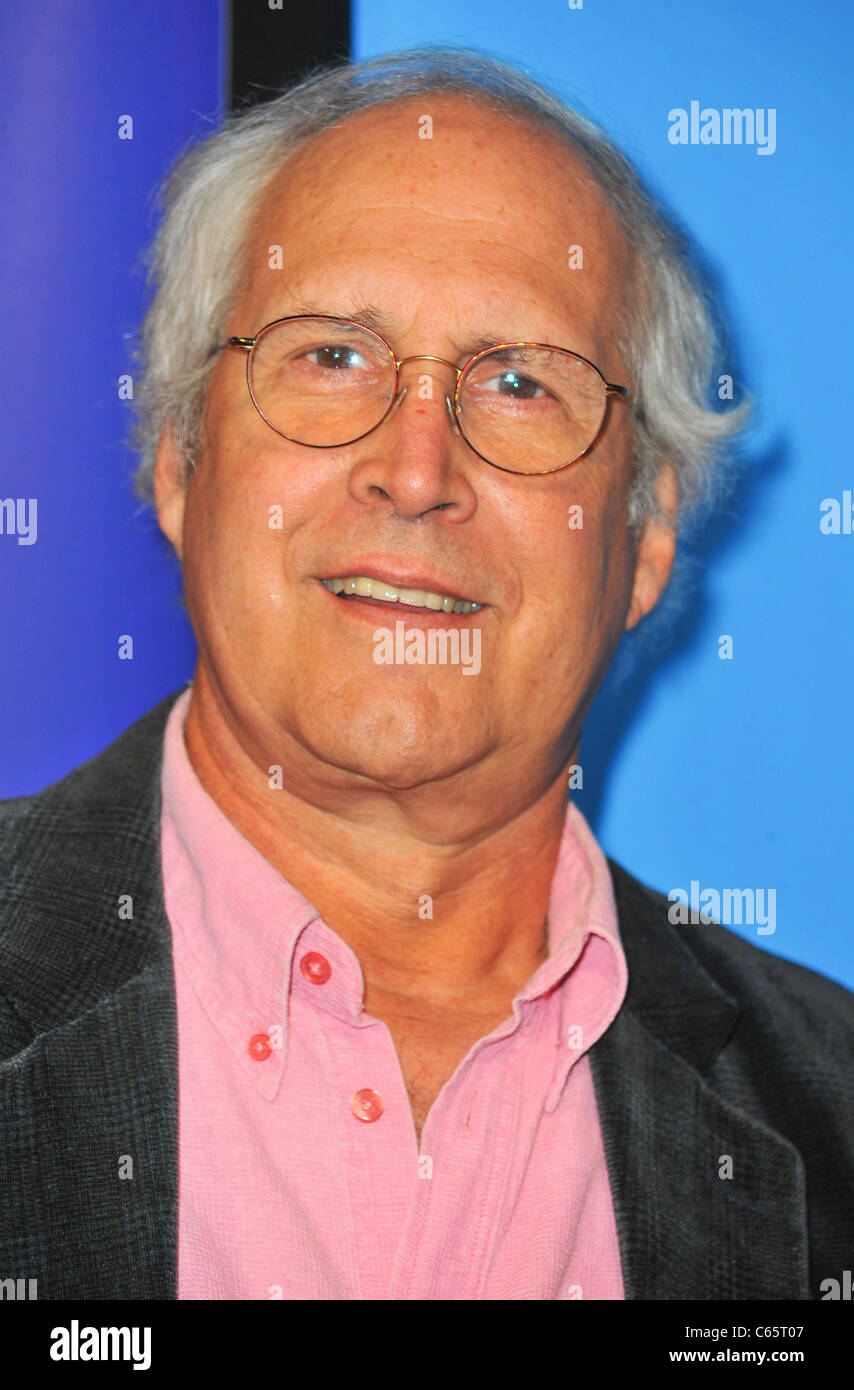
(567, 562)
(576, 585)
(233, 544)
(601, 549)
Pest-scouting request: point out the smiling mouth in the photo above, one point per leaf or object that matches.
(383, 591)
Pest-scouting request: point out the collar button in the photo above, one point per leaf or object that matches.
(315, 968)
(259, 1047)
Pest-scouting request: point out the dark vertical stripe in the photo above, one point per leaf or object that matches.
(273, 48)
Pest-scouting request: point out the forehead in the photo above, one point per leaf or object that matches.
(484, 214)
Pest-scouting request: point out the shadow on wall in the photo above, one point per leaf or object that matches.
(675, 631)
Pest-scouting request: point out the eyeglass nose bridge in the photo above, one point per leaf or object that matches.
(427, 357)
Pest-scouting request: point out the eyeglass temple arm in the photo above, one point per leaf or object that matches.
(246, 343)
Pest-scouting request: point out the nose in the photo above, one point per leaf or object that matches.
(428, 357)
(448, 403)
(413, 461)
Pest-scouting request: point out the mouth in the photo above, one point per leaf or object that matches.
(386, 593)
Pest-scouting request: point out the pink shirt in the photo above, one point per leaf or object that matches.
(284, 1192)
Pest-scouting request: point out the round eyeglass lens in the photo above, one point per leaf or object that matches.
(531, 409)
(321, 381)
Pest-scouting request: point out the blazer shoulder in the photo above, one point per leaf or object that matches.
(113, 768)
(788, 996)
(69, 854)
(103, 802)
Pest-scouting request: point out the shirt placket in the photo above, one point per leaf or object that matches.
(379, 1153)
(470, 1140)
(378, 1149)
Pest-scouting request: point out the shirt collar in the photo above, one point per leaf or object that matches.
(235, 919)
(586, 961)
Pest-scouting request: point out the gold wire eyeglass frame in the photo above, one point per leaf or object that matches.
(248, 344)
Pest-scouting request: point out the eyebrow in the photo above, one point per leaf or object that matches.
(375, 318)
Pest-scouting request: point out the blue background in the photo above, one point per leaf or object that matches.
(735, 773)
(78, 209)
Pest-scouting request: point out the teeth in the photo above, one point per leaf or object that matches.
(387, 593)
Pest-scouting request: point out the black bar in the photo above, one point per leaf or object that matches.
(272, 48)
(232, 1340)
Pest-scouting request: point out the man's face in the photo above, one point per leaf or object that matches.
(455, 239)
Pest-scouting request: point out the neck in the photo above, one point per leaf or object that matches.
(450, 919)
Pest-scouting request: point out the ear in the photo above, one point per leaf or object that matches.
(170, 490)
(655, 551)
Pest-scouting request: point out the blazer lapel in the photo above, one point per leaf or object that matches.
(709, 1202)
(90, 1209)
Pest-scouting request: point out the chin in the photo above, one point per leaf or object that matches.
(395, 747)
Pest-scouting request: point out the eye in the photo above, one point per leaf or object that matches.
(515, 385)
(335, 355)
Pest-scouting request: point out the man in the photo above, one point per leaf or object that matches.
(314, 983)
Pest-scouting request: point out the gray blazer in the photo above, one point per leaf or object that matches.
(719, 1049)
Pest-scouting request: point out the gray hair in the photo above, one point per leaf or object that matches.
(672, 338)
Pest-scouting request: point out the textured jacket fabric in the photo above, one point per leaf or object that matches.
(725, 1085)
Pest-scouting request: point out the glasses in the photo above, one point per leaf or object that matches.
(522, 407)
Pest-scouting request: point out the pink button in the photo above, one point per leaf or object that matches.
(315, 967)
(366, 1105)
(259, 1047)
